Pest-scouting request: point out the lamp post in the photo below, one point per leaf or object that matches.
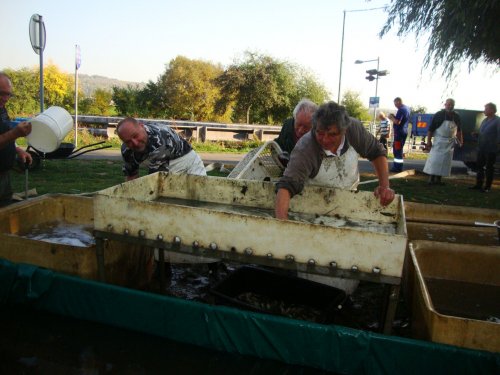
(373, 74)
(342, 44)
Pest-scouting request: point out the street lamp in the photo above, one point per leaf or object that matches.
(373, 74)
(342, 44)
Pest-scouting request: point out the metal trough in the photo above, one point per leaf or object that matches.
(333, 232)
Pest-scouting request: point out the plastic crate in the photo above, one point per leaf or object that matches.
(261, 163)
(456, 294)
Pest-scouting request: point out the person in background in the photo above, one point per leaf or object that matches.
(160, 146)
(400, 131)
(488, 147)
(328, 156)
(446, 130)
(384, 129)
(294, 128)
(8, 136)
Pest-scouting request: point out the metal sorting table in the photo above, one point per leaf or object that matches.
(331, 232)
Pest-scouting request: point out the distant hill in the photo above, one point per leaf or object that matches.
(91, 83)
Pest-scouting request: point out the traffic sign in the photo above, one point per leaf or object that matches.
(78, 57)
(374, 101)
(37, 33)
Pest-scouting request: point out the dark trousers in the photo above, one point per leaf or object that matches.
(5, 189)
(485, 166)
(383, 140)
(397, 149)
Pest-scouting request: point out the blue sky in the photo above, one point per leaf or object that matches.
(133, 40)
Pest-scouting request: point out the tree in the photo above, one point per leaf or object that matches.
(126, 100)
(354, 106)
(460, 30)
(417, 109)
(103, 99)
(99, 105)
(260, 89)
(26, 101)
(58, 88)
(150, 101)
(188, 89)
(309, 87)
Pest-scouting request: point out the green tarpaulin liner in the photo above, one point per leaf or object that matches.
(327, 347)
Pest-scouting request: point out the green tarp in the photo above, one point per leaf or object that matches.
(333, 348)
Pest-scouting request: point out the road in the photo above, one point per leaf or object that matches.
(231, 159)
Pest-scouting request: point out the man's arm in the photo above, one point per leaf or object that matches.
(383, 191)
(21, 130)
(130, 178)
(282, 204)
(394, 119)
(428, 146)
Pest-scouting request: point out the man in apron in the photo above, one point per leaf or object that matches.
(445, 128)
(328, 156)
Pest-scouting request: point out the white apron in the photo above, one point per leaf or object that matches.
(439, 161)
(338, 171)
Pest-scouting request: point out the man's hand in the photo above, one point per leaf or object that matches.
(24, 156)
(22, 129)
(385, 194)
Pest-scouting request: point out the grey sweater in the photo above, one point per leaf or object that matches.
(307, 156)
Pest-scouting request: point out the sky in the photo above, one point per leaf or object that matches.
(134, 40)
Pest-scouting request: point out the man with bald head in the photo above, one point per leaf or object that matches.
(160, 147)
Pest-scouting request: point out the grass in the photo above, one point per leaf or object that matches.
(87, 176)
(75, 176)
(454, 192)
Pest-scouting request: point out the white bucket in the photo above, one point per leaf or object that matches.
(49, 128)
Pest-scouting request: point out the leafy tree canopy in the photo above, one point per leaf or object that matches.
(25, 84)
(460, 30)
(309, 87)
(264, 90)
(99, 105)
(126, 101)
(188, 89)
(354, 106)
(417, 109)
(58, 88)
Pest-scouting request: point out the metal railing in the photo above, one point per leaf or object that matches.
(198, 131)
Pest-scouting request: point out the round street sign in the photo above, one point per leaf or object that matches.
(37, 33)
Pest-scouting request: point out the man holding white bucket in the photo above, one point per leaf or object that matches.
(8, 136)
(159, 146)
